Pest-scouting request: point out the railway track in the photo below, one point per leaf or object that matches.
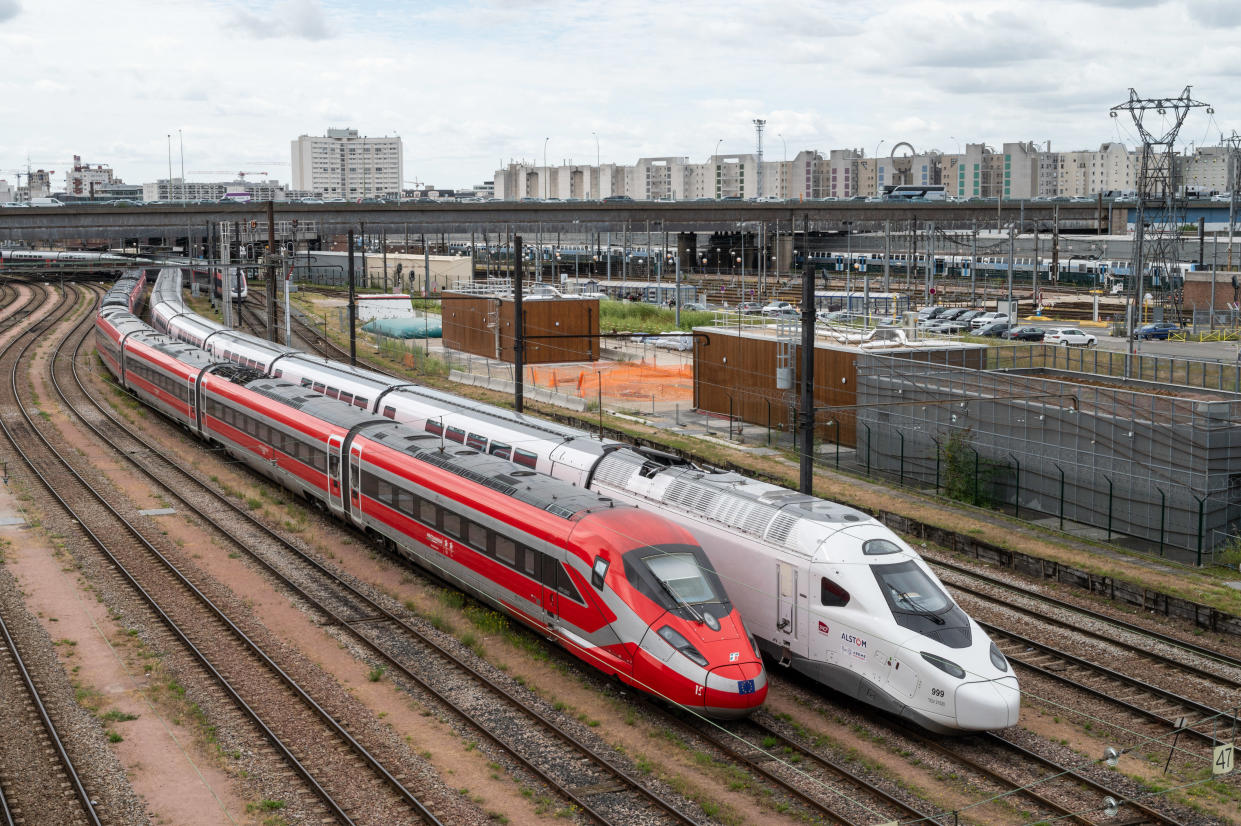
(1021, 766)
(1153, 688)
(36, 768)
(351, 784)
(528, 735)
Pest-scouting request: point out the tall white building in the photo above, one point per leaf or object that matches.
(343, 164)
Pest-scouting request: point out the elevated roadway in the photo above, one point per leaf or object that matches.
(80, 221)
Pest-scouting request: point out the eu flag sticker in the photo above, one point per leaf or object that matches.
(745, 686)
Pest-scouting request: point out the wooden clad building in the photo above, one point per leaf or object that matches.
(483, 325)
(735, 374)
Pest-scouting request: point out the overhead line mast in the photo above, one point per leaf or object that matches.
(1156, 186)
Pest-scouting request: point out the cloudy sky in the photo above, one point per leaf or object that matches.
(469, 84)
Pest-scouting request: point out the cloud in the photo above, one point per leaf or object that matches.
(9, 9)
(301, 19)
(1222, 13)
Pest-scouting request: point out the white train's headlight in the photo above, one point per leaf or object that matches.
(997, 657)
(677, 641)
(946, 666)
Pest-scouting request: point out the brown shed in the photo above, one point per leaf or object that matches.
(735, 374)
(483, 325)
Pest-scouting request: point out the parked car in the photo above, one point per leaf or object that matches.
(993, 330)
(750, 307)
(983, 320)
(948, 327)
(930, 312)
(697, 306)
(1159, 330)
(952, 313)
(969, 316)
(1069, 337)
(776, 308)
(1025, 334)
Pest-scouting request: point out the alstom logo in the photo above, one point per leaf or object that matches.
(858, 641)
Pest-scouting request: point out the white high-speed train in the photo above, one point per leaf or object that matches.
(826, 589)
(22, 258)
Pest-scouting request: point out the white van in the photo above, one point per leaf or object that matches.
(45, 202)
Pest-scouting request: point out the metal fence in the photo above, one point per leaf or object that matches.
(1052, 434)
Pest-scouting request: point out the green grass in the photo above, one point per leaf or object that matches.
(646, 318)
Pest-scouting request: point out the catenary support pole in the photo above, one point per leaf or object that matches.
(519, 342)
(807, 378)
(273, 332)
(353, 308)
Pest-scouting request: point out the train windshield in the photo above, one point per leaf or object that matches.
(679, 578)
(920, 605)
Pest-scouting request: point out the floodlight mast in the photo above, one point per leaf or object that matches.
(1156, 182)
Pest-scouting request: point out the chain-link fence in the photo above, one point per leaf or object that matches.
(1051, 435)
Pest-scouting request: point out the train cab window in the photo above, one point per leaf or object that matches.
(506, 551)
(526, 458)
(598, 571)
(878, 547)
(677, 578)
(475, 441)
(831, 594)
(500, 449)
(390, 411)
(434, 426)
(919, 604)
(456, 434)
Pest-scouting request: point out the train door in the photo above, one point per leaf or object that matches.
(786, 601)
(335, 502)
(355, 478)
(549, 569)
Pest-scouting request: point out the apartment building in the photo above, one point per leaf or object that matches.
(344, 164)
(85, 180)
(1020, 170)
(178, 189)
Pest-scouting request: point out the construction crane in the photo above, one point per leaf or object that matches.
(240, 175)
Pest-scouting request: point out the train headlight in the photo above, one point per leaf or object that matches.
(997, 658)
(674, 638)
(946, 666)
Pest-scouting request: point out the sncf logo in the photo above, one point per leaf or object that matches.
(824, 628)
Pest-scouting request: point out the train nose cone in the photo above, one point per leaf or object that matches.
(735, 690)
(990, 705)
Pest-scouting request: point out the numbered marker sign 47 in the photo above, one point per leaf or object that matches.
(1225, 759)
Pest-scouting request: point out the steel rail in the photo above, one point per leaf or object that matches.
(103, 546)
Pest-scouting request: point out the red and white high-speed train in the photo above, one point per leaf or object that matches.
(627, 591)
(827, 590)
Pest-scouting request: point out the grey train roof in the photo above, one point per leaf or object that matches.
(763, 511)
(543, 492)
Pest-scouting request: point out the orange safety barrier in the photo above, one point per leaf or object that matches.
(627, 380)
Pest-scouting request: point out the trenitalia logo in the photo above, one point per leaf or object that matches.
(849, 638)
